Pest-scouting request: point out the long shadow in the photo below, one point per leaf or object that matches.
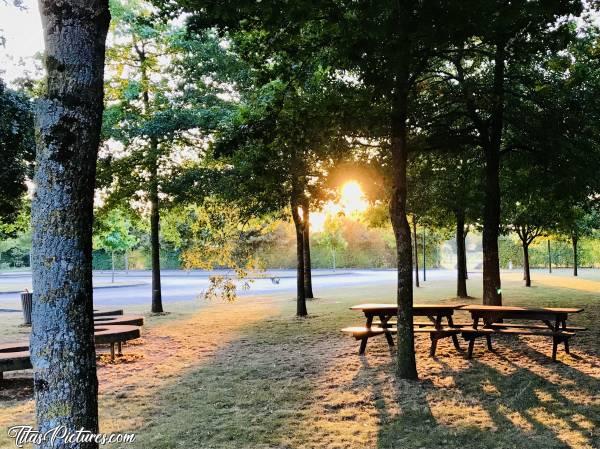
(523, 408)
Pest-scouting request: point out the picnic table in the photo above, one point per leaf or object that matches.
(385, 313)
(552, 323)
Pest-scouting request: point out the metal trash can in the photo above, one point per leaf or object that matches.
(26, 302)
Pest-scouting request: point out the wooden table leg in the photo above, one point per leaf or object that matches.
(566, 340)
(119, 348)
(471, 345)
(112, 352)
(363, 342)
(434, 340)
(554, 347)
(488, 339)
(454, 336)
(388, 335)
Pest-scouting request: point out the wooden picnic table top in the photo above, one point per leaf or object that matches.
(394, 307)
(516, 309)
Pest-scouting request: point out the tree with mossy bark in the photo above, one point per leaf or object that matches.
(68, 124)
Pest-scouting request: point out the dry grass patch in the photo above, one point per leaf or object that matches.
(250, 375)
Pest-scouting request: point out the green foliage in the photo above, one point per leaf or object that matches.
(17, 149)
(114, 232)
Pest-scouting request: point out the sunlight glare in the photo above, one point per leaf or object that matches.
(353, 198)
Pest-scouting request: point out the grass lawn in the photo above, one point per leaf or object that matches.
(250, 375)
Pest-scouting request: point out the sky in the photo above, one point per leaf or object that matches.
(22, 30)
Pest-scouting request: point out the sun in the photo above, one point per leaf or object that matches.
(352, 198)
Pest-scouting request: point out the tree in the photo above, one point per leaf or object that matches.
(446, 189)
(576, 222)
(68, 122)
(154, 113)
(332, 238)
(283, 141)
(114, 235)
(16, 151)
(486, 76)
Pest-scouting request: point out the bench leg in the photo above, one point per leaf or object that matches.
(488, 339)
(470, 350)
(363, 345)
(455, 341)
(119, 348)
(554, 347)
(433, 345)
(1, 375)
(112, 352)
(567, 350)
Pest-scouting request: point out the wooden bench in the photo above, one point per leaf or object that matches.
(435, 333)
(554, 324)
(106, 334)
(15, 356)
(118, 320)
(385, 314)
(107, 312)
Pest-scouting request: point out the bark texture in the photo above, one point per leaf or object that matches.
(157, 306)
(406, 366)
(308, 290)
(299, 226)
(461, 256)
(68, 121)
(526, 270)
(492, 294)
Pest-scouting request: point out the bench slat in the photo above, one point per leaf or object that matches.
(513, 331)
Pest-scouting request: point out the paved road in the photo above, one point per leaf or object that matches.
(182, 286)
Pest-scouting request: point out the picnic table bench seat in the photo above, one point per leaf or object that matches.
(118, 320)
(16, 356)
(423, 323)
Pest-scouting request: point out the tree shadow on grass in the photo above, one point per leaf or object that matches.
(495, 403)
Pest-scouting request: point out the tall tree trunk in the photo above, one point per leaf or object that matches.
(465, 252)
(575, 240)
(406, 362)
(526, 264)
(153, 158)
(68, 121)
(299, 226)
(424, 261)
(416, 249)
(492, 294)
(306, 247)
(461, 264)
(157, 306)
(549, 258)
